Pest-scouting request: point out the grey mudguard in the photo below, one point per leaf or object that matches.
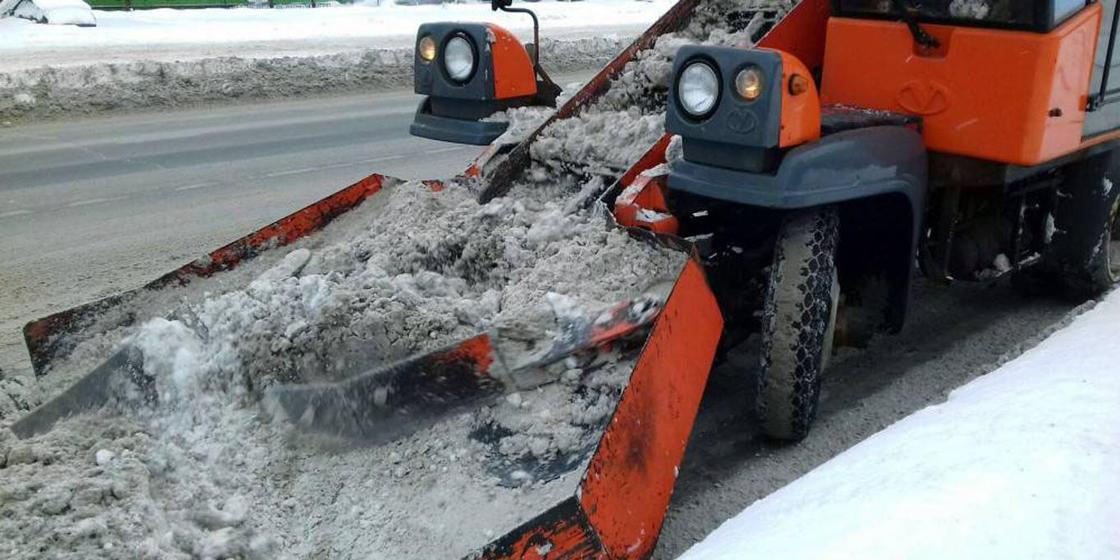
(447, 129)
(845, 166)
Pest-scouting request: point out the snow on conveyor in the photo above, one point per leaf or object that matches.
(1020, 463)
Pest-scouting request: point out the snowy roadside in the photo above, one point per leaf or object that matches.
(166, 58)
(1020, 463)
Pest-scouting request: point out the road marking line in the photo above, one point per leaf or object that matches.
(382, 158)
(196, 186)
(89, 201)
(13, 213)
(290, 172)
(451, 149)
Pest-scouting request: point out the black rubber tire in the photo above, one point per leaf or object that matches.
(1081, 255)
(798, 322)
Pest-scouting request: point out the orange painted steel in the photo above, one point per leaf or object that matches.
(801, 113)
(561, 533)
(627, 488)
(642, 204)
(478, 351)
(802, 32)
(514, 75)
(622, 499)
(1004, 96)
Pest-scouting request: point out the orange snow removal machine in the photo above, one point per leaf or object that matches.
(469, 71)
(803, 177)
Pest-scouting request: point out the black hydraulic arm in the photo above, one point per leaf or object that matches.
(506, 6)
(924, 39)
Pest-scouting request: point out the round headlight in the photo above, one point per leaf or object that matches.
(458, 58)
(748, 83)
(698, 89)
(426, 48)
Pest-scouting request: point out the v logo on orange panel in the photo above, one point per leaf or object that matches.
(923, 98)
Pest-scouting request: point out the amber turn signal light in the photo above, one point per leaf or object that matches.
(427, 48)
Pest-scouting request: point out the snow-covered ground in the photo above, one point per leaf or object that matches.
(264, 32)
(166, 58)
(1021, 463)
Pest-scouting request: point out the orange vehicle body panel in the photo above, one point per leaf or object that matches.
(801, 114)
(1005, 96)
(643, 193)
(514, 75)
(627, 487)
(802, 32)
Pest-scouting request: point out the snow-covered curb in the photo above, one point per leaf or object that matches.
(1020, 463)
(69, 90)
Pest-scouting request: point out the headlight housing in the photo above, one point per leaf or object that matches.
(698, 89)
(426, 48)
(748, 83)
(459, 58)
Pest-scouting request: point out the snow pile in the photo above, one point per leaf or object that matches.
(102, 86)
(524, 120)
(597, 141)
(204, 474)
(625, 122)
(645, 81)
(1020, 463)
(410, 270)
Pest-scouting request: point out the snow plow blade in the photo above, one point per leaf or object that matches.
(386, 403)
(623, 495)
(125, 369)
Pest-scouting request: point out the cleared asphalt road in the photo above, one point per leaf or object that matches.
(92, 207)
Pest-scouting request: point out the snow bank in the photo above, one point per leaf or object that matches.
(55, 12)
(69, 90)
(244, 26)
(153, 58)
(1020, 463)
(204, 474)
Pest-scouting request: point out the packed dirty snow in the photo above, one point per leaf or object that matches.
(1019, 463)
(624, 123)
(413, 270)
(208, 473)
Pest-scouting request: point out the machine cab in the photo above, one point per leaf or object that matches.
(997, 80)
(1023, 15)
